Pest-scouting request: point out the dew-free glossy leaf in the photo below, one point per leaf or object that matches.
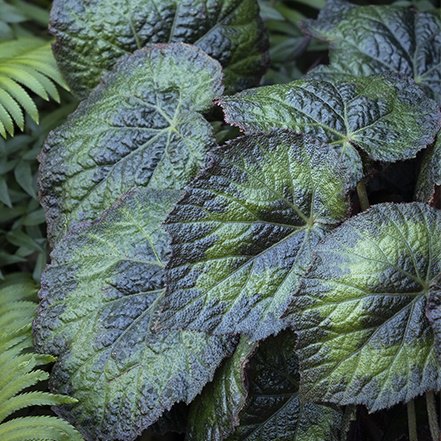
(387, 119)
(92, 35)
(361, 310)
(429, 179)
(140, 128)
(243, 232)
(97, 300)
(371, 39)
(254, 397)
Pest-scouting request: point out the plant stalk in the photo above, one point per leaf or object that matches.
(363, 196)
(432, 416)
(411, 421)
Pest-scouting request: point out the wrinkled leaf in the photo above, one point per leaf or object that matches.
(243, 232)
(254, 397)
(370, 40)
(361, 311)
(97, 300)
(92, 35)
(140, 128)
(429, 179)
(387, 119)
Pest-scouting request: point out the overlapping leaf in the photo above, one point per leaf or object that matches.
(243, 232)
(254, 397)
(361, 311)
(92, 35)
(97, 301)
(387, 119)
(370, 40)
(140, 128)
(429, 179)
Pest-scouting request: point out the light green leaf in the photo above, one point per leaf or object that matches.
(429, 179)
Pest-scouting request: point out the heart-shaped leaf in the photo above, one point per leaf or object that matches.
(92, 35)
(361, 310)
(254, 397)
(386, 118)
(429, 179)
(370, 40)
(97, 300)
(140, 128)
(243, 232)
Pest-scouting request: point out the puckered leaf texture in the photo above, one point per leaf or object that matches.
(386, 118)
(140, 128)
(429, 179)
(92, 35)
(243, 232)
(361, 310)
(254, 397)
(98, 298)
(371, 39)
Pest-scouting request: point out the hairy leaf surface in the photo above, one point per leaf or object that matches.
(429, 179)
(140, 128)
(254, 397)
(387, 119)
(98, 298)
(243, 232)
(361, 311)
(92, 35)
(370, 40)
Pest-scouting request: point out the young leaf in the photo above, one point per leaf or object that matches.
(91, 36)
(429, 179)
(361, 310)
(388, 119)
(254, 397)
(97, 301)
(370, 40)
(243, 232)
(140, 128)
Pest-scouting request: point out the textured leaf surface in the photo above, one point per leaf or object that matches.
(389, 120)
(92, 35)
(140, 128)
(429, 180)
(97, 300)
(361, 312)
(258, 400)
(244, 230)
(370, 40)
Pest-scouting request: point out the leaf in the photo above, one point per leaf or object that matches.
(140, 128)
(254, 397)
(361, 310)
(230, 31)
(243, 233)
(98, 298)
(354, 114)
(28, 62)
(429, 178)
(370, 40)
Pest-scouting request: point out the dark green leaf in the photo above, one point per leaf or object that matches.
(430, 174)
(97, 300)
(243, 232)
(370, 40)
(140, 128)
(91, 36)
(361, 311)
(387, 119)
(254, 397)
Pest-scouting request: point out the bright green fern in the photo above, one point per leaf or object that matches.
(18, 365)
(25, 63)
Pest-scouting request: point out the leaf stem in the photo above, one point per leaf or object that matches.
(411, 421)
(432, 416)
(363, 196)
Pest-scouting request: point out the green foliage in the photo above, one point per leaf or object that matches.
(19, 367)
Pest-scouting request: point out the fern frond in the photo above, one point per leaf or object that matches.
(18, 365)
(26, 62)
